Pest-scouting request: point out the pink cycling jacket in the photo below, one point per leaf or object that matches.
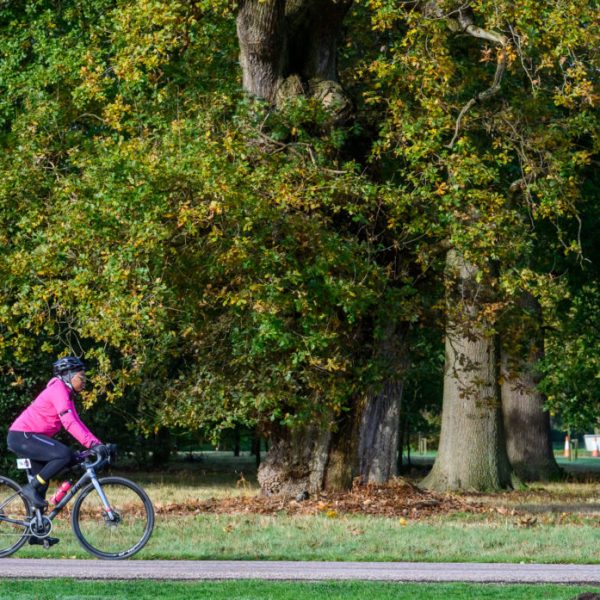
(50, 411)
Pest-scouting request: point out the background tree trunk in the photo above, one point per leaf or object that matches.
(296, 461)
(526, 423)
(380, 422)
(379, 435)
(472, 453)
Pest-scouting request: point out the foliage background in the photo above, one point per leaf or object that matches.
(223, 264)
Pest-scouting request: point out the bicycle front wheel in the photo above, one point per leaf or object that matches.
(119, 537)
(15, 513)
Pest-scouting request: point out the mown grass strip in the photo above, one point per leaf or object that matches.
(68, 589)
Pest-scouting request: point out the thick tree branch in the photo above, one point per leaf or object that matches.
(461, 21)
(463, 24)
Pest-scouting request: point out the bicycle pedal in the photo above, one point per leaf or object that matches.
(46, 542)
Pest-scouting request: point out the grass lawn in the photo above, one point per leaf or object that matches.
(259, 590)
(543, 532)
(459, 538)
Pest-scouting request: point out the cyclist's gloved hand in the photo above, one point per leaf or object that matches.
(101, 450)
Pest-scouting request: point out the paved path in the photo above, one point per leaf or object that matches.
(308, 571)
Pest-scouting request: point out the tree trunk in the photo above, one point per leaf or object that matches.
(364, 440)
(380, 423)
(311, 458)
(295, 462)
(255, 448)
(342, 461)
(526, 423)
(162, 447)
(260, 29)
(289, 47)
(380, 428)
(472, 453)
(236, 443)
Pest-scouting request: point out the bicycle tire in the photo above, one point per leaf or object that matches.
(107, 539)
(15, 505)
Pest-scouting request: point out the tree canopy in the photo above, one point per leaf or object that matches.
(222, 262)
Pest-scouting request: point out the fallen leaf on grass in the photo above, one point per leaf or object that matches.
(397, 498)
(527, 521)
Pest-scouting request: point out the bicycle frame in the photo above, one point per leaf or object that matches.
(87, 477)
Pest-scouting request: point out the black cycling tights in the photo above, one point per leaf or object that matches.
(48, 456)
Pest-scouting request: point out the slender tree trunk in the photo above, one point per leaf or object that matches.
(162, 447)
(255, 448)
(472, 452)
(526, 423)
(236, 443)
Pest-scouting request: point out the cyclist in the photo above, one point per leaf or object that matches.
(31, 434)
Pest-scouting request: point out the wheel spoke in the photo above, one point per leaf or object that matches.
(13, 508)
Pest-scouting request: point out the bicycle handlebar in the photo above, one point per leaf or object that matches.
(100, 460)
(82, 458)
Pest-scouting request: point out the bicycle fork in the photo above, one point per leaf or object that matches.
(103, 498)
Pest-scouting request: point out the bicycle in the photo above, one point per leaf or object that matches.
(112, 517)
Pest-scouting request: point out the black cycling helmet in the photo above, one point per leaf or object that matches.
(69, 364)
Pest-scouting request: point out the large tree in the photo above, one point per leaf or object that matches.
(227, 258)
(484, 106)
(290, 50)
(212, 258)
(472, 451)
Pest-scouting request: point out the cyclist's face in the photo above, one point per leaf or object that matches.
(78, 381)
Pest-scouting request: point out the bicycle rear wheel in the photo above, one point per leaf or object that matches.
(15, 507)
(118, 538)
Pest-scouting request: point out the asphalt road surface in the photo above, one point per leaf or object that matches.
(299, 571)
